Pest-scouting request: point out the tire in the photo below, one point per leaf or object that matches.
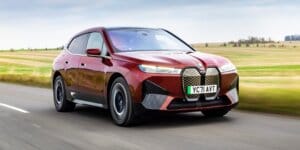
(215, 112)
(120, 103)
(59, 95)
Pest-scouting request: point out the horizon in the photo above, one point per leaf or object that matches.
(192, 44)
(195, 43)
(50, 23)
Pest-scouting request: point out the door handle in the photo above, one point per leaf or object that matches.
(82, 64)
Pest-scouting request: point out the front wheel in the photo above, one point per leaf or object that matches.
(215, 112)
(120, 103)
(60, 101)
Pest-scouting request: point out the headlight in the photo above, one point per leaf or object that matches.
(158, 69)
(229, 67)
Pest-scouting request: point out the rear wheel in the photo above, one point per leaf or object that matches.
(120, 103)
(215, 112)
(60, 101)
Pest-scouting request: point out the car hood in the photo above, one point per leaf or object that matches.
(171, 58)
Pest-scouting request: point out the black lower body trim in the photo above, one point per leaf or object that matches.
(182, 104)
(154, 101)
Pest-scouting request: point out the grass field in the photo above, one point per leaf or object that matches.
(27, 67)
(270, 76)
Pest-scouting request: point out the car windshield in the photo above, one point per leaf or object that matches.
(125, 40)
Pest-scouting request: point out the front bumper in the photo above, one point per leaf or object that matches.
(155, 97)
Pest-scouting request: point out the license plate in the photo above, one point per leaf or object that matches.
(202, 89)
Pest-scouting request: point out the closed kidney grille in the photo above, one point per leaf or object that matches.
(191, 77)
(212, 78)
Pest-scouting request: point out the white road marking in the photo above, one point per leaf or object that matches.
(14, 108)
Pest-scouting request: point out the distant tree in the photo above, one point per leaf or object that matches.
(292, 38)
(239, 43)
(231, 42)
(206, 44)
(252, 40)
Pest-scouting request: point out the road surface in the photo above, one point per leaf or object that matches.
(28, 121)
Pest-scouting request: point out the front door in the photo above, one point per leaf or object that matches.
(92, 76)
(72, 59)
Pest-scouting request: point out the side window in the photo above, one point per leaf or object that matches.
(96, 41)
(104, 50)
(78, 44)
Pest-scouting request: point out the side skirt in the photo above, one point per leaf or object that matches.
(78, 101)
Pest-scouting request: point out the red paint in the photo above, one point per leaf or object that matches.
(90, 76)
(166, 103)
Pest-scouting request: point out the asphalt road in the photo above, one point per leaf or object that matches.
(38, 126)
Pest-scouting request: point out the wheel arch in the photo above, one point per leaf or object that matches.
(109, 84)
(55, 74)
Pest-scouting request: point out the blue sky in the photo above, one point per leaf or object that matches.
(50, 23)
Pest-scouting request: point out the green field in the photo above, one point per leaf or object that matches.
(270, 76)
(27, 67)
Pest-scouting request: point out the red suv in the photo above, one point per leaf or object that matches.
(128, 70)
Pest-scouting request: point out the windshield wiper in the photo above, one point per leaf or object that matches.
(189, 52)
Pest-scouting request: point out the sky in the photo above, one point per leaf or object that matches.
(50, 23)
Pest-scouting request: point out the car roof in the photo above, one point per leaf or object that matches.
(94, 29)
(112, 28)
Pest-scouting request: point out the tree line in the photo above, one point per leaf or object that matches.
(292, 38)
(247, 42)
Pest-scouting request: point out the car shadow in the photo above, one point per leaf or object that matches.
(160, 120)
(152, 120)
(93, 112)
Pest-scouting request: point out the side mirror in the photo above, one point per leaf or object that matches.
(93, 52)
